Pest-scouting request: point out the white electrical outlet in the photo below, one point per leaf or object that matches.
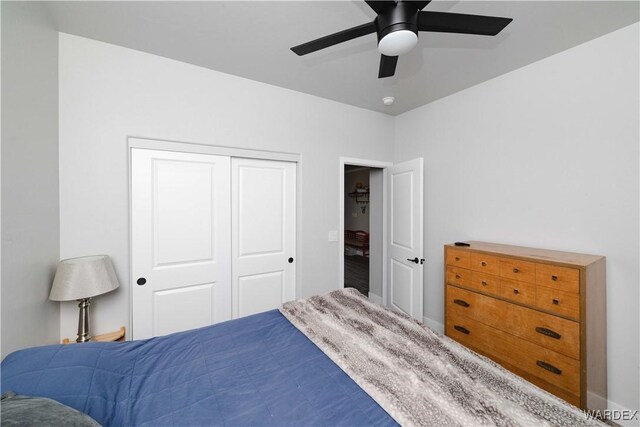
(333, 235)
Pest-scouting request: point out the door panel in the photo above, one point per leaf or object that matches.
(260, 292)
(261, 192)
(183, 212)
(402, 278)
(180, 241)
(406, 238)
(263, 234)
(195, 300)
(402, 208)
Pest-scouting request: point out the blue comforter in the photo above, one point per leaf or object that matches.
(258, 370)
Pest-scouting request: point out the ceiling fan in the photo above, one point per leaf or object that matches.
(397, 26)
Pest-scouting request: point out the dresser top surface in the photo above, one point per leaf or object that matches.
(547, 255)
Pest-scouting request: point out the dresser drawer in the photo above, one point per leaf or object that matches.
(485, 283)
(458, 257)
(458, 276)
(552, 332)
(563, 303)
(562, 278)
(516, 269)
(543, 363)
(521, 292)
(486, 263)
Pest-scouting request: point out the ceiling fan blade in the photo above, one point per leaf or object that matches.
(444, 22)
(335, 38)
(420, 4)
(387, 66)
(379, 6)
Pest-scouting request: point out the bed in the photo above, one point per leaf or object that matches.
(331, 360)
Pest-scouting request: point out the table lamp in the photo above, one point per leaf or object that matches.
(80, 279)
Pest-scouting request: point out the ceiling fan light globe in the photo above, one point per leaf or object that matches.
(397, 42)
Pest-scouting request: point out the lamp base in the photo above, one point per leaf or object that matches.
(83, 320)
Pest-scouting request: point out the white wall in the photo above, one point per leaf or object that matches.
(108, 93)
(30, 215)
(354, 219)
(376, 223)
(545, 156)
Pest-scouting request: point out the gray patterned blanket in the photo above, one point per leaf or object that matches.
(419, 377)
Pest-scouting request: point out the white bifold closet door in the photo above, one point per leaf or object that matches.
(211, 239)
(263, 216)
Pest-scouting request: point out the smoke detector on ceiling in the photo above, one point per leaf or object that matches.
(388, 100)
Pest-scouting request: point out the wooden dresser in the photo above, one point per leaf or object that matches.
(538, 313)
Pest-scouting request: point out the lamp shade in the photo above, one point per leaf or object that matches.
(83, 277)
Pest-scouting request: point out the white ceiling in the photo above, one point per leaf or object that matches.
(252, 40)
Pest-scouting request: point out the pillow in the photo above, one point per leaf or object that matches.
(16, 410)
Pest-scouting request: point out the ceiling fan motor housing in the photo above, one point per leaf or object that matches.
(402, 16)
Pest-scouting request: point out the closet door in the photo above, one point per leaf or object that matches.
(263, 234)
(180, 240)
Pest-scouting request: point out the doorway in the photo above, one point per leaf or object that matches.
(395, 250)
(357, 232)
(362, 232)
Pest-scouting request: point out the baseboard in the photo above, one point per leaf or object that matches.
(595, 401)
(375, 298)
(618, 413)
(436, 326)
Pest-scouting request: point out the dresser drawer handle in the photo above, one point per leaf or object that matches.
(516, 291)
(548, 367)
(484, 283)
(484, 264)
(461, 302)
(515, 270)
(548, 332)
(461, 329)
(555, 302)
(554, 278)
(457, 276)
(457, 258)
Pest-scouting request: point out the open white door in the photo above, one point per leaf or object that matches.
(263, 210)
(405, 265)
(180, 240)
